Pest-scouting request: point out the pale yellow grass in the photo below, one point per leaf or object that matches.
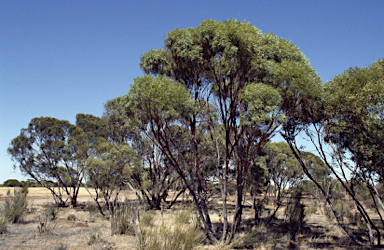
(41, 191)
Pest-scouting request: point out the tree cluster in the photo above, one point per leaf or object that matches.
(201, 120)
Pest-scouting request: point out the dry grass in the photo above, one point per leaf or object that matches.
(40, 192)
(85, 228)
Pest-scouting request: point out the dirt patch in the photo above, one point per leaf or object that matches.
(73, 228)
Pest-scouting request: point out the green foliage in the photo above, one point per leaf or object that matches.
(263, 100)
(336, 191)
(15, 206)
(91, 124)
(256, 83)
(108, 169)
(156, 108)
(284, 171)
(157, 98)
(343, 209)
(354, 110)
(53, 151)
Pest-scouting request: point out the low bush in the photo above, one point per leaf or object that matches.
(183, 217)
(3, 225)
(294, 214)
(61, 246)
(182, 235)
(15, 206)
(147, 219)
(94, 236)
(343, 210)
(311, 209)
(46, 224)
(121, 222)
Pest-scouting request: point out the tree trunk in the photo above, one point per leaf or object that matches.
(238, 212)
(305, 169)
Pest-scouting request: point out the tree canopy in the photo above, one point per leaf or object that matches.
(255, 82)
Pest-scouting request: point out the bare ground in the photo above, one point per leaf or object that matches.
(74, 228)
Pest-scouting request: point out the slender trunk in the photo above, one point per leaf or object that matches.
(305, 169)
(374, 195)
(238, 212)
(273, 216)
(96, 199)
(174, 199)
(75, 195)
(224, 190)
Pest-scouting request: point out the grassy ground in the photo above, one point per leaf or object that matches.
(74, 228)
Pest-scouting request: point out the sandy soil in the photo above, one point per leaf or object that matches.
(73, 228)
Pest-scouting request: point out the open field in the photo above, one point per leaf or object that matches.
(73, 228)
(38, 193)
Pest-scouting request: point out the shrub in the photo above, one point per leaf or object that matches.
(311, 209)
(342, 208)
(46, 226)
(121, 220)
(183, 217)
(15, 206)
(182, 235)
(52, 212)
(295, 216)
(3, 225)
(94, 236)
(147, 220)
(61, 247)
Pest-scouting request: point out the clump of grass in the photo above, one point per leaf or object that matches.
(3, 225)
(94, 236)
(311, 209)
(183, 217)
(46, 226)
(121, 222)
(294, 214)
(52, 212)
(147, 220)
(72, 217)
(17, 205)
(61, 246)
(182, 235)
(342, 208)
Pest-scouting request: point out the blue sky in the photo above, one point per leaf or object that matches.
(61, 58)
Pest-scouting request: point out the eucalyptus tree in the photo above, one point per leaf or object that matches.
(51, 150)
(353, 128)
(346, 130)
(320, 172)
(161, 110)
(109, 170)
(355, 123)
(153, 177)
(285, 171)
(254, 81)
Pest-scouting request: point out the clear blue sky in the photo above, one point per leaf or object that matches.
(61, 58)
